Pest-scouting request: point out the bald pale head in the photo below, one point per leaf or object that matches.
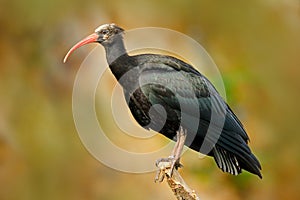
(107, 31)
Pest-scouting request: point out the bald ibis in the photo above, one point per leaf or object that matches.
(166, 81)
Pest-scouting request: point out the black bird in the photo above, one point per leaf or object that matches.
(182, 92)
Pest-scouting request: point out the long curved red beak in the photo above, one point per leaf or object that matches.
(89, 39)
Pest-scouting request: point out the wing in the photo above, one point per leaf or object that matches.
(182, 88)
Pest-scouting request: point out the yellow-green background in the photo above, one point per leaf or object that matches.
(255, 44)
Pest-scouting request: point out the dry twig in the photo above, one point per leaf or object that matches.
(180, 189)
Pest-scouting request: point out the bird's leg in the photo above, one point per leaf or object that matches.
(173, 161)
(177, 150)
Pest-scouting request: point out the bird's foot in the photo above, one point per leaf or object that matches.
(166, 167)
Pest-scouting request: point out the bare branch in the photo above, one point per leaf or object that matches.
(181, 190)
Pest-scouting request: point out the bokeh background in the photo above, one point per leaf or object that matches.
(255, 44)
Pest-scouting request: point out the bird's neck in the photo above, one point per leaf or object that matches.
(115, 49)
(119, 61)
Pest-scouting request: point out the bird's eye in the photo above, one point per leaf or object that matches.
(104, 32)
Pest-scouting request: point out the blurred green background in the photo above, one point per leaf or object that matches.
(255, 44)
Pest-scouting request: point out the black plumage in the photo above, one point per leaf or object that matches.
(152, 79)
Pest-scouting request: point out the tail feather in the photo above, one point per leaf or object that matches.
(226, 161)
(234, 163)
